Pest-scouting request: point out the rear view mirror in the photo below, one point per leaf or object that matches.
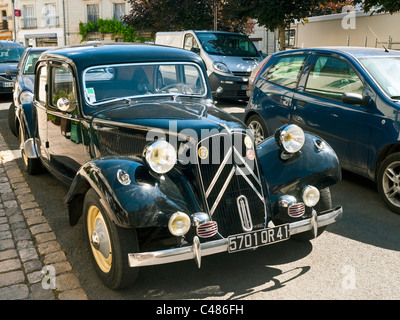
(63, 104)
(355, 98)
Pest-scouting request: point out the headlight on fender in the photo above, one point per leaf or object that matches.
(290, 137)
(310, 196)
(160, 156)
(25, 97)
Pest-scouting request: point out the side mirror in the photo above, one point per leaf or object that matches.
(12, 72)
(355, 98)
(63, 104)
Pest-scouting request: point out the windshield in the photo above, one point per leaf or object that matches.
(10, 54)
(386, 72)
(29, 67)
(103, 84)
(226, 44)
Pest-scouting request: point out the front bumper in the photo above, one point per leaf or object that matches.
(234, 87)
(198, 250)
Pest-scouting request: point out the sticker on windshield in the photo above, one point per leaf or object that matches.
(91, 95)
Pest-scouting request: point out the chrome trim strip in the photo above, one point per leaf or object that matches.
(218, 246)
(222, 191)
(218, 173)
(244, 213)
(247, 166)
(249, 182)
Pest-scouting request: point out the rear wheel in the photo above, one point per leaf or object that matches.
(388, 182)
(11, 119)
(109, 244)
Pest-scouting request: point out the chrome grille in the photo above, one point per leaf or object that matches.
(229, 174)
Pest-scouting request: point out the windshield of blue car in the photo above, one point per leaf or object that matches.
(386, 72)
(106, 83)
(226, 44)
(29, 67)
(10, 54)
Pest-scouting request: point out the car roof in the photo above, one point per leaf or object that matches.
(357, 52)
(84, 56)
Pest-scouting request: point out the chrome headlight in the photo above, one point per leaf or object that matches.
(25, 97)
(290, 137)
(310, 196)
(160, 156)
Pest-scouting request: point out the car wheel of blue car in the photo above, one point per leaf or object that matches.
(109, 244)
(389, 182)
(11, 119)
(257, 128)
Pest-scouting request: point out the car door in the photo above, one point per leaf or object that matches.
(318, 108)
(275, 89)
(65, 145)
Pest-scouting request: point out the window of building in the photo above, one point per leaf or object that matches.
(290, 38)
(92, 13)
(28, 17)
(119, 10)
(50, 15)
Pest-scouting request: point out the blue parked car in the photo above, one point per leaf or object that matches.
(348, 96)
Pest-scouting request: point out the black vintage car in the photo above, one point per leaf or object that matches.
(158, 172)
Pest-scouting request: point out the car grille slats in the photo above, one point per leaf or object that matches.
(229, 176)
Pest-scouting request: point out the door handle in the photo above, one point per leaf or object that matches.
(301, 104)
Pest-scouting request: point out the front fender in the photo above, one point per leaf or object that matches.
(27, 118)
(312, 165)
(147, 201)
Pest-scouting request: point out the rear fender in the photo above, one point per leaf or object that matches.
(147, 201)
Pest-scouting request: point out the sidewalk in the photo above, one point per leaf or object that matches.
(33, 265)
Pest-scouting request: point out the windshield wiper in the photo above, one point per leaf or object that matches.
(395, 97)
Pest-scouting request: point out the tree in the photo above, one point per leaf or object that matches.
(176, 15)
(390, 6)
(278, 14)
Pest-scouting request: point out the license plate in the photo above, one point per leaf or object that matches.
(8, 84)
(255, 239)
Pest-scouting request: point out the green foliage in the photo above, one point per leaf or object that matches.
(390, 6)
(115, 27)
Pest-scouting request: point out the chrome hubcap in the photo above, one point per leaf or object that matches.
(391, 183)
(257, 131)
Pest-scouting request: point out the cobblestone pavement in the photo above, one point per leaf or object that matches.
(33, 265)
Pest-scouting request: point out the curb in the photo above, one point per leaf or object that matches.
(33, 265)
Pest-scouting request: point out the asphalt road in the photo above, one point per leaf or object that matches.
(356, 258)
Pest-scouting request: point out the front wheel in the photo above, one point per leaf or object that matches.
(257, 128)
(109, 244)
(388, 182)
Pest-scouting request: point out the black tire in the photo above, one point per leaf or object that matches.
(388, 182)
(258, 128)
(11, 119)
(324, 203)
(113, 270)
(31, 165)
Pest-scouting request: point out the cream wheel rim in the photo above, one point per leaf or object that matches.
(99, 239)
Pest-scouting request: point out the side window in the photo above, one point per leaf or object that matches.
(42, 81)
(331, 77)
(62, 85)
(286, 71)
(190, 42)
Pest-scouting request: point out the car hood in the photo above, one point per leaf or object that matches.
(170, 115)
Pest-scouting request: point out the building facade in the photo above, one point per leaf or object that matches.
(44, 23)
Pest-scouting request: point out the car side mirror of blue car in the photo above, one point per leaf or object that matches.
(355, 98)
